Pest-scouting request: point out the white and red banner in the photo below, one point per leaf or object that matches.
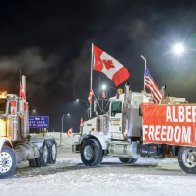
(106, 64)
(169, 124)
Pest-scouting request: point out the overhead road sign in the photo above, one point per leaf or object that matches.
(38, 121)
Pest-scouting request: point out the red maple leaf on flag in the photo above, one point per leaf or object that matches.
(108, 64)
(104, 63)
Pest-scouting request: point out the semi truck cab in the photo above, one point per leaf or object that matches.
(119, 132)
(16, 144)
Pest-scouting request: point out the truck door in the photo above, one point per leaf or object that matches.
(115, 119)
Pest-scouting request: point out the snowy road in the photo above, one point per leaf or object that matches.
(70, 177)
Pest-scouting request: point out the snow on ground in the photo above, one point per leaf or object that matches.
(70, 177)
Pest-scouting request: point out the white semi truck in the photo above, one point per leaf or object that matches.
(135, 127)
(16, 144)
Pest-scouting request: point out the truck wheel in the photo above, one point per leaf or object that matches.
(128, 160)
(7, 162)
(32, 163)
(52, 152)
(38, 161)
(44, 155)
(91, 152)
(187, 159)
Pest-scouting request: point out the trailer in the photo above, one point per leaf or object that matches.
(16, 144)
(136, 127)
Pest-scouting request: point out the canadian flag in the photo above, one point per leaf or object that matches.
(22, 92)
(81, 122)
(104, 95)
(91, 94)
(23, 95)
(106, 64)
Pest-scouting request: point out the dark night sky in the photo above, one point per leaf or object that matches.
(50, 41)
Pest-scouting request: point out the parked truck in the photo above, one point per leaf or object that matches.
(136, 127)
(16, 144)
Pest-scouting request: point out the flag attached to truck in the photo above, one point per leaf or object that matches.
(152, 86)
(169, 124)
(106, 64)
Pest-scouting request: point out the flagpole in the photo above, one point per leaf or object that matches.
(20, 83)
(144, 68)
(91, 84)
(20, 75)
(99, 88)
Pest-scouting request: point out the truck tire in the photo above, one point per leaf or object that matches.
(44, 155)
(128, 160)
(52, 152)
(91, 152)
(32, 163)
(7, 162)
(38, 161)
(187, 159)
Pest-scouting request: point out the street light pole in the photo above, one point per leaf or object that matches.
(62, 127)
(145, 68)
(61, 131)
(62, 123)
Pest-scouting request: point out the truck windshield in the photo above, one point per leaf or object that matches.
(3, 106)
(116, 107)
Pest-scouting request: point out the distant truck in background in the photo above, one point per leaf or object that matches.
(16, 144)
(136, 127)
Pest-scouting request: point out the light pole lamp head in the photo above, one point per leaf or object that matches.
(34, 111)
(143, 57)
(178, 49)
(103, 87)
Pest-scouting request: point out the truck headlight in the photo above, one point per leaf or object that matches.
(3, 128)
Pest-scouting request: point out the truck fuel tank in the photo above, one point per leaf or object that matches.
(124, 149)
